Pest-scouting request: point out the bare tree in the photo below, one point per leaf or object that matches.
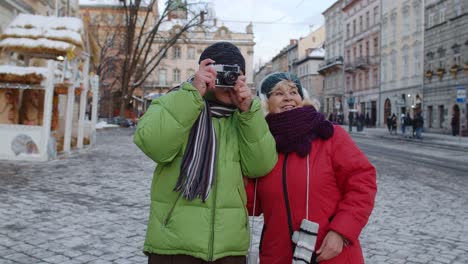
(108, 38)
(142, 28)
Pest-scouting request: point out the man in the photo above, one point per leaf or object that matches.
(204, 139)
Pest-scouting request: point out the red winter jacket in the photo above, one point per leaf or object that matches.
(341, 197)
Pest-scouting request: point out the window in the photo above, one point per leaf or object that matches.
(348, 56)
(442, 15)
(347, 30)
(366, 81)
(360, 50)
(360, 81)
(430, 20)
(354, 27)
(441, 116)
(394, 66)
(367, 20)
(354, 83)
(354, 54)
(376, 46)
(376, 77)
(348, 83)
(458, 8)
(176, 75)
(162, 76)
(367, 49)
(376, 14)
(176, 54)
(360, 24)
(406, 24)
(405, 63)
(191, 53)
(417, 14)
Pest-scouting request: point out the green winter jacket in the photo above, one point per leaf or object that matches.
(219, 227)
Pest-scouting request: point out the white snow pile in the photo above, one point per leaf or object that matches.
(104, 124)
(43, 32)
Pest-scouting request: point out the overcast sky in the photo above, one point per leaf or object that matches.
(292, 18)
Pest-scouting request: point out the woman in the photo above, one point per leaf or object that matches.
(341, 181)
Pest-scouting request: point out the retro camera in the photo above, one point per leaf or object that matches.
(226, 75)
(305, 240)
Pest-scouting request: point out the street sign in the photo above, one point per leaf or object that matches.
(461, 94)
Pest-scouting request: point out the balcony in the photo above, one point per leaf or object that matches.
(362, 63)
(331, 64)
(349, 68)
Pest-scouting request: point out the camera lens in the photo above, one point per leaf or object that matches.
(230, 78)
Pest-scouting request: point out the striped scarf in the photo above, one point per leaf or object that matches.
(199, 161)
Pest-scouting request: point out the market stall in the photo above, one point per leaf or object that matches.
(45, 95)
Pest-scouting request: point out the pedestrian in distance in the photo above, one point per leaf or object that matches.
(403, 124)
(393, 121)
(321, 178)
(367, 120)
(350, 121)
(389, 123)
(418, 125)
(204, 138)
(455, 124)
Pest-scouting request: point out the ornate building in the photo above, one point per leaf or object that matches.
(445, 65)
(362, 56)
(401, 58)
(332, 67)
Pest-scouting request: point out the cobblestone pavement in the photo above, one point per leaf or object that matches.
(93, 207)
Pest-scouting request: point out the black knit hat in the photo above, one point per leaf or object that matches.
(224, 53)
(271, 80)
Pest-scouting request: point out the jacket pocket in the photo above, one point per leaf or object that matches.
(167, 218)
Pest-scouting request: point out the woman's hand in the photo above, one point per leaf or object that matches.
(331, 247)
(241, 95)
(205, 77)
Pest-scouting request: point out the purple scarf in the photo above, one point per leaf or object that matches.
(294, 130)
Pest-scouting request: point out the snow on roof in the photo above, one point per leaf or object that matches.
(18, 70)
(48, 22)
(52, 34)
(107, 2)
(37, 45)
(43, 34)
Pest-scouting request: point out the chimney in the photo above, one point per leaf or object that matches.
(292, 41)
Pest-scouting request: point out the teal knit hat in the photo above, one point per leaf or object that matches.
(271, 80)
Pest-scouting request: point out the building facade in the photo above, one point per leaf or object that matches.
(401, 58)
(445, 64)
(307, 71)
(332, 67)
(362, 56)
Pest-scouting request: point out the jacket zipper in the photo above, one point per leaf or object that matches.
(211, 242)
(286, 199)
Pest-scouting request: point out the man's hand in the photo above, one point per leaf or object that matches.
(205, 78)
(241, 96)
(331, 247)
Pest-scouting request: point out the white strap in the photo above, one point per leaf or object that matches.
(307, 193)
(253, 215)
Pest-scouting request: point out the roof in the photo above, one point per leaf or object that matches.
(43, 34)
